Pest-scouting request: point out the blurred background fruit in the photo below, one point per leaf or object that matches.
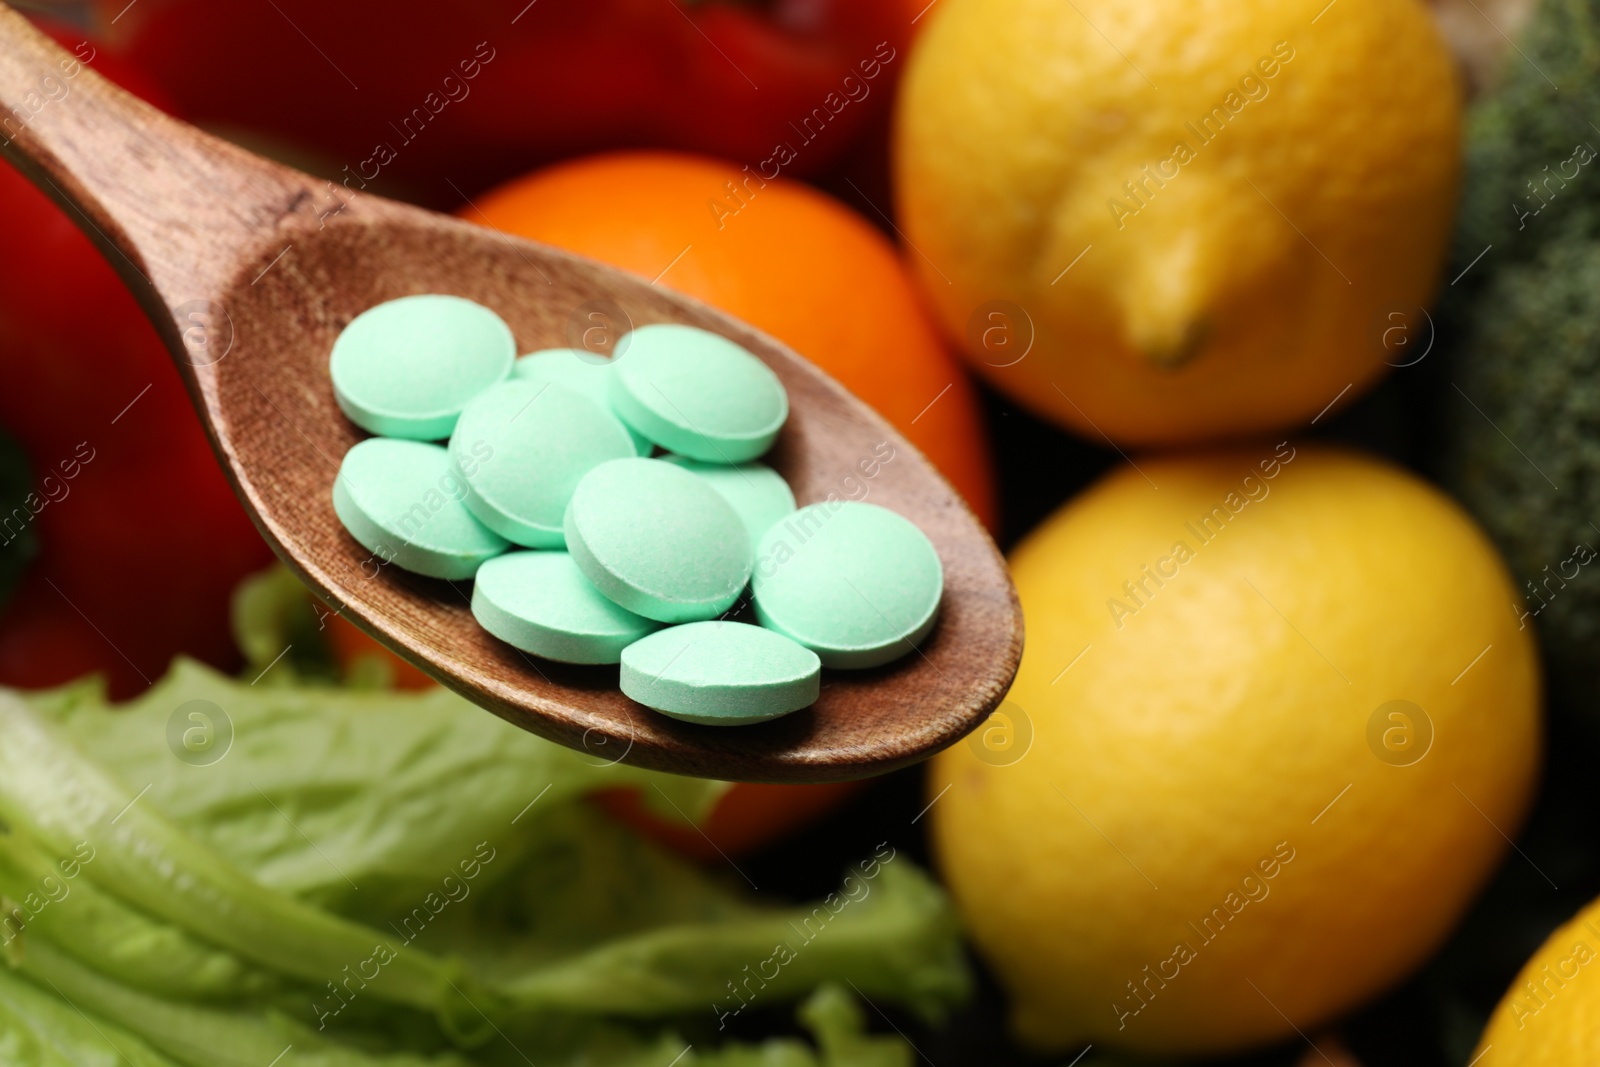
(1277, 719)
(1196, 213)
(780, 255)
(136, 538)
(1550, 1016)
(475, 93)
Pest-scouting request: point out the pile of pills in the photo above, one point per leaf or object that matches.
(587, 547)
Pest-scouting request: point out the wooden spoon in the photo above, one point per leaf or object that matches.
(249, 270)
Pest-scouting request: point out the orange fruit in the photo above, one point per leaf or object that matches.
(780, 255)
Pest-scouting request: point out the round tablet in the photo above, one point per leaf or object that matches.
(402, 500)
(757, 493)
(698, 394)
(720, 673)
(407, 367)
(541, 603)
(857, 584)
(523, 447)
(658, 540)
(580, 370)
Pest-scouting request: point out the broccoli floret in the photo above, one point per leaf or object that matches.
(1521, 415)
(1521, 138)
(1526, 458)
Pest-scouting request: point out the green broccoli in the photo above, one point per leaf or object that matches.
(1527, 181)
(1521, 416)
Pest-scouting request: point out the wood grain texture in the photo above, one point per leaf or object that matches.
(250, 270)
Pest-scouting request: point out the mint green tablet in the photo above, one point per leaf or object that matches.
(407, 367)
(402, 500)
(523, 447)
(857, 584)
(698, 394)
(580, 370)
(541, 603)
(658, 540)
(720, 673)
(757, 493)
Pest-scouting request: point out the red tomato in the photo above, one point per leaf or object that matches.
(141, 540)
(431, 99)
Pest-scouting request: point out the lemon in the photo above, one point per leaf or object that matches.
(1274, 718)
(1167, 220)
(1550, 1016)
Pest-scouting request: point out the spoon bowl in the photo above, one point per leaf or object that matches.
(250, 270)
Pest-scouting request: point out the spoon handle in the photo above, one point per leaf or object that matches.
(173, 209)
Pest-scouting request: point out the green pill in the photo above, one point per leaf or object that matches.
(758, 494)
(541, 603)
(402, 500)
(698, 394)
(857, 584)
(534, 442)
(407, 367)
(720, 673)
(583, 371)
(658, 540)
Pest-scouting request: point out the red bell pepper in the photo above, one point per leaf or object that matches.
(435, 102)
(139, 538)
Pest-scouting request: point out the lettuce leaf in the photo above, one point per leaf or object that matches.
(40, 1029)
(324, 790)
(52, 794)
(51, 899)
(137, 1025)
(830, 1015)
(891, 934)
(281, 630)
(597, 921)
(212, 1037)
(202, 907)
(839, 1026)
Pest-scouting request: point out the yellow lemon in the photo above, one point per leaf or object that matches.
(1274, 723)
(1167, 220)
(1550, 1016)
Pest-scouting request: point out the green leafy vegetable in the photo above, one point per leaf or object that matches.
(53, 794)
(39, 1029)
(279, 627)
(247, 1037)
(399, 787)
(346, 878)
(839, 1024)
(891, 935)
(52, 899)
